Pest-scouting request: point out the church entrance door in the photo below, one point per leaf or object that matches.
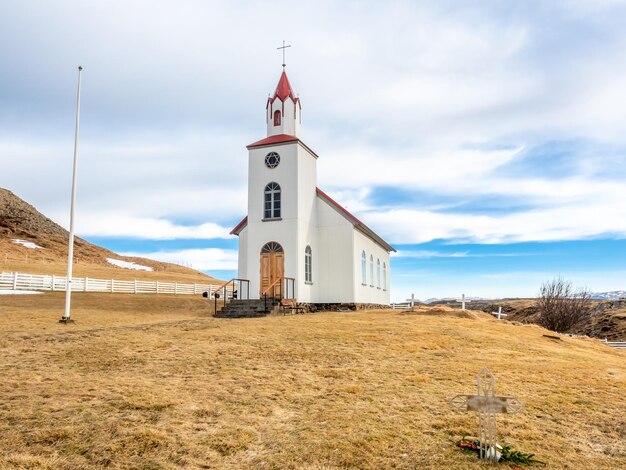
(272, 268)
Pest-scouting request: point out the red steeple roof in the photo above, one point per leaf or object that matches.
(283, 89)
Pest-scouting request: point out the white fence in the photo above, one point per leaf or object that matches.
(20, 281)
(400, 305)
(616, 344)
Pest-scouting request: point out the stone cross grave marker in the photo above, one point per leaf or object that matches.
(487, 404)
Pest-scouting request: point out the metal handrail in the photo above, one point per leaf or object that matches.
(223, 288)
(273, 285)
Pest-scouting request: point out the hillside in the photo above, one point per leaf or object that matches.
(32, 243)
(607, 318)
(166, 386)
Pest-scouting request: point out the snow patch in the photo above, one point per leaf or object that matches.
(18, 292)
(613, 295)
(128, 264)
(26, 243)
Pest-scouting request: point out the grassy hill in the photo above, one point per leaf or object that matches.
(606, 319)
(147, 382)
(21, 221)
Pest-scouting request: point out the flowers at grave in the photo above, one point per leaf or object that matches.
(505, 453)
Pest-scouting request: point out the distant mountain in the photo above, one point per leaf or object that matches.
(435, 300)
(612, 295)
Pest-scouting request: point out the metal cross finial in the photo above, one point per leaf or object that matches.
(283, 48)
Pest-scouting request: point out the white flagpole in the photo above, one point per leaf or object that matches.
(70, 250)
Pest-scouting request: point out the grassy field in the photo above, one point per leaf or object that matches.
(154, 382)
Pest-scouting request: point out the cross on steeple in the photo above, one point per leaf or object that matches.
(283, 48)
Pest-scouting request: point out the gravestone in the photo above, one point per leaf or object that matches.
(487, 405)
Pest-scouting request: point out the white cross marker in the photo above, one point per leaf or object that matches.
(487, 404)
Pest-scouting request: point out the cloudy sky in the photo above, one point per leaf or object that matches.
(485, 140)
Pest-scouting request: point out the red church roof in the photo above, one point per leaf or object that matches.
(274, 139)
(240, 226)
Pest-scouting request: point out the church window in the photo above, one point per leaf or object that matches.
(272, 160)
(363, 268)
(378, 273)
(385, 276)
(272, 201)
(277, 118)
(308, 265)
(371, 271)
(272, 247)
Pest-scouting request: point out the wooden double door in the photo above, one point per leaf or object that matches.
(272, 268)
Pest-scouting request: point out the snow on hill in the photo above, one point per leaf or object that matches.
(612, 295)
(128, 264)
(26, 243)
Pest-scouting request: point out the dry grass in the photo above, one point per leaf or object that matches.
(106, 271)
(152, 382)
(92, 263)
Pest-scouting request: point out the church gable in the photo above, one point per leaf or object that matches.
(360, 226)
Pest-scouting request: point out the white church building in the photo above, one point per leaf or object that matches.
(296, 232)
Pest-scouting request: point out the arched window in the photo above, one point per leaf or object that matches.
(363, 268)
(272, 201)
(272, 247)
(308, 264)
(277, 118)
(378, 273)
(385, 276)
(372, 270)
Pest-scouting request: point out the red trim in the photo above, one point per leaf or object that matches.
(357, 223)
(239, 226)
(338, 206)
(274, 139)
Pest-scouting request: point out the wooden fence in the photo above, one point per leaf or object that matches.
(37, 282)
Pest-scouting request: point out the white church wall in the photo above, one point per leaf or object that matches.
(284, 174)
(334, 260)
(307, 221)
(242, 267)
(281, 231)
(370, 292)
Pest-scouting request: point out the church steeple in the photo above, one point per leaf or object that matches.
(283, 110)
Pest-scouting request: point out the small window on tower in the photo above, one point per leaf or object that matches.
(277, 118)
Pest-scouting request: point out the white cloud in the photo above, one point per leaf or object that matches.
(456, 254)
(121, 225)
(553, 224)
(429, 254)
(203, 259)
(429, 97)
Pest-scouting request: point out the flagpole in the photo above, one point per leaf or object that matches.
(70, 250)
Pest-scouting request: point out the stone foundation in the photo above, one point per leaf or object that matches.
(338, 307)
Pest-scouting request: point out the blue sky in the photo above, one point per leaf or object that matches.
(485, 140)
